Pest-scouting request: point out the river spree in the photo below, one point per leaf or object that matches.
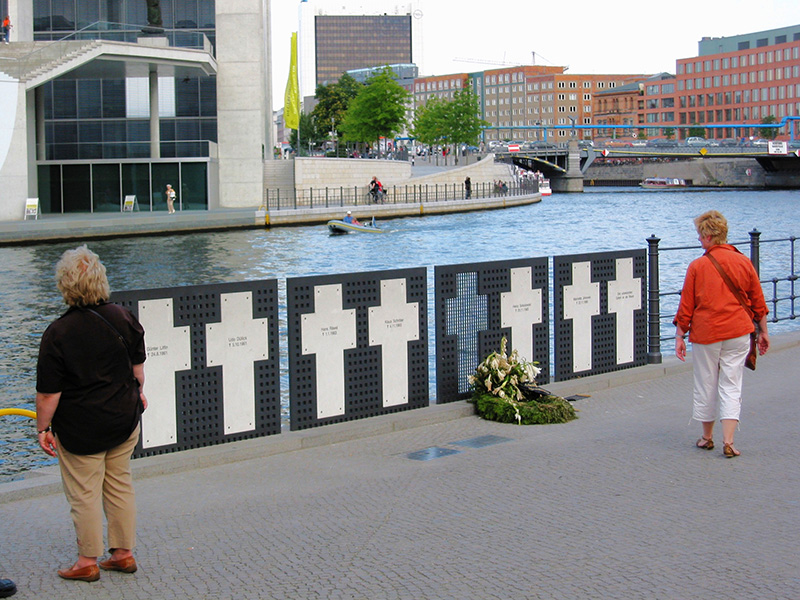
(609, 219)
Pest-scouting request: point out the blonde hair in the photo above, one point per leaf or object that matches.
(81, 277)
(712, 224)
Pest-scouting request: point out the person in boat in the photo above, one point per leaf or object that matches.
(349, 218)
(376, 189)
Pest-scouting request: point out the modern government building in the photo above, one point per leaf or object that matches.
(105, 102)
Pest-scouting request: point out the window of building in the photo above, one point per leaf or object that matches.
(760, 43)
(734, 62)
(707, 65)
(573, 84)
(726, 63)
(769, 57)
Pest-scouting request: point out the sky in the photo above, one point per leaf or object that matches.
(617, 36)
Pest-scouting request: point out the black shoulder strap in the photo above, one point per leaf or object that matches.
(117, 333)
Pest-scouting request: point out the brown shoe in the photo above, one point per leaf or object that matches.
(126, 565)
(729, 451)
(87, 573)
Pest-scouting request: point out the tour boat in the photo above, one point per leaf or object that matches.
(336, 227)
(663, 183)
(544, 187)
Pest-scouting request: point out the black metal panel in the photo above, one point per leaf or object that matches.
(199, 397)
(470, 316)
(337, 373)
(586, 339)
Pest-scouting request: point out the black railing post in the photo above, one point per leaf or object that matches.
(653, 304)
(755, 256)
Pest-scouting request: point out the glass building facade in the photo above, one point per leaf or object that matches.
(94, 121)
(344, 43)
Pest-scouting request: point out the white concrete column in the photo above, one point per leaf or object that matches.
(21, 13)
(243, 85)
(41, 150)
(155, 132)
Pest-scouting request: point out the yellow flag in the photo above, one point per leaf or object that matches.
(291, 101)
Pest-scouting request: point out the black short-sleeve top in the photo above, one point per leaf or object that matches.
(84, 359)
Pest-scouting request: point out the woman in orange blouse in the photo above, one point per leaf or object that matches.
(719, 329)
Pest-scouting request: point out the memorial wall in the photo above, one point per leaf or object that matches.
(358, 344)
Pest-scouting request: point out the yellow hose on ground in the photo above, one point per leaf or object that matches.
(22, 412)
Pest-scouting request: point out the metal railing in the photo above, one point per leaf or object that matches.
(779, 285)
(278, 199)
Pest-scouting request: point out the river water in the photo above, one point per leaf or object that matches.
(608, 219)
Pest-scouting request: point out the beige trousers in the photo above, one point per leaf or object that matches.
(97, 483)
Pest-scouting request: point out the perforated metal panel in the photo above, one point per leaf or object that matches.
(358, 345)
(479, 303)
(212, 372)
(601, 312)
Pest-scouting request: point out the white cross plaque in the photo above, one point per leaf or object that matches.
(581, 303)
(520, 309)
(168, 351)
(328, 332)
(392, 325)
(236, 342)
(625, 297)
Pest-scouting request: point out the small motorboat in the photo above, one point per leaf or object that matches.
(663, 183)
(544, 187)
(337, 227)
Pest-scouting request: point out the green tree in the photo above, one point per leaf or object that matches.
(333, 101)
(430, 122)
(379, 109)
(669, 133)
(309, 136)
(453, 121)
(696, 131)
(769, 133)
(462, 122)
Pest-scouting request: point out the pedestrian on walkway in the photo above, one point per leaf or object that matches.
(89, 399)
(170, 194)
(468, 187)
(719, 328)
(7, 28)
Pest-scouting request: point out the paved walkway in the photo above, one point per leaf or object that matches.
(617, 504)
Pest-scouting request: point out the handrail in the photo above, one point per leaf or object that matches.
(20, 412)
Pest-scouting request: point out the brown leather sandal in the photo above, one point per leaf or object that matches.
(729, 451)
(705, 443)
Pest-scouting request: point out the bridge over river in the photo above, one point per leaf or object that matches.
(566, 166)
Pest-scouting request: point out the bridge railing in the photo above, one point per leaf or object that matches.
(777, 272)
(327, 197)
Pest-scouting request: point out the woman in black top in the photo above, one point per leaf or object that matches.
(89, 401)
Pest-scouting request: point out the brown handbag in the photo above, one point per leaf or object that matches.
(752, 355)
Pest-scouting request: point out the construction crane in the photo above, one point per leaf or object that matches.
(502, 63)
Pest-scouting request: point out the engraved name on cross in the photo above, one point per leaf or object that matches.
(625, 297)
(236, 342)
(168, 351)
(328, 332)
(392, 325)
(581, 303)
(520, 309)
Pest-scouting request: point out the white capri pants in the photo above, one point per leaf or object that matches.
(718, 370)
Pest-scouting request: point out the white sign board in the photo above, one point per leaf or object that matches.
(778, 147)
(130, 203)
(32, 208)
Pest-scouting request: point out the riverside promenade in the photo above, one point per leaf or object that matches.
(618, 504)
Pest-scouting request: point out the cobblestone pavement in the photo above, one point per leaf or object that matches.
(617, 504)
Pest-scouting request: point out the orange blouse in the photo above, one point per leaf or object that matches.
(708, 309)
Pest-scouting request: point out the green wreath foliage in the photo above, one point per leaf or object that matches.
(504, 389)
(541, 411)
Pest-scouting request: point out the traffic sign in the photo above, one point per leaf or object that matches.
(604, 152)
(513, 147)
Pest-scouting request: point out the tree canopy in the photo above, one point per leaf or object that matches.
(769, 133)
(377, 111)
(333, 101)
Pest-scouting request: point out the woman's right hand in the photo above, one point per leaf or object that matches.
(680, 348)
(48, 443)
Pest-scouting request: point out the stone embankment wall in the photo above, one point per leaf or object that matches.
(350, 173)
(740, 172)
